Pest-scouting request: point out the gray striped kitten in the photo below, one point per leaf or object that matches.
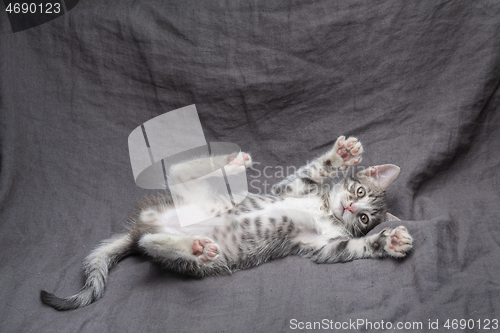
(304, 216)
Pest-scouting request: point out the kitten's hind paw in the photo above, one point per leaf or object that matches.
(398, 243)
(349, 150)
(205, 249)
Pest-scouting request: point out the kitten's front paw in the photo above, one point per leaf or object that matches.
(205, 249)
(349, 150)
(398, 243)
(240, 159)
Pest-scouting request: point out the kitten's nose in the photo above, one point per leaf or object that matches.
(350, 208)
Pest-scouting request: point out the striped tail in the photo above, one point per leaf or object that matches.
(97, 265)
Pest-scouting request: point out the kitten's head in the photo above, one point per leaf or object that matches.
(359, 201)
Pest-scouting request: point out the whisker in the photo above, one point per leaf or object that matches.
(361, 231)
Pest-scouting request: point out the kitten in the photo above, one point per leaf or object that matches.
(303, 217)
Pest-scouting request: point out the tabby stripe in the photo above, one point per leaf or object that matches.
(240, 252)
(342, 245)
(331, 240)
(309, 181)
(318, 250)
(267, 235)
(258, 225)
(254, 203)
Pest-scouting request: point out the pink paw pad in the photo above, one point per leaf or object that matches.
(197, 247)
(205, 249)
(349, 150)
(395, 243)
(400, 242)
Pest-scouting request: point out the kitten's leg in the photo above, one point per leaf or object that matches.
(307, 179)
(167, 246)
(395, 243)
(194, 169)
(192, 255)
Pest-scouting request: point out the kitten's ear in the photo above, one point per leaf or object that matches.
(382, 175)
(390, 217)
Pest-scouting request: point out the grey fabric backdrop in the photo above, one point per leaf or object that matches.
(415, 81)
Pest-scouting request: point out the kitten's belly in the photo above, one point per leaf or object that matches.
(303, 206)
(189, 219)
(307, 213)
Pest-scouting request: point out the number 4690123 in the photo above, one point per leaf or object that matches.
(33, 8)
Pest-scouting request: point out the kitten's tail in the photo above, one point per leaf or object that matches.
(97, 265)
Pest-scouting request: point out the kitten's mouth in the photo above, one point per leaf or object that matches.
(341, 211)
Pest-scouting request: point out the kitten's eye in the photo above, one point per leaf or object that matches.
(360, 192)
(364, 218)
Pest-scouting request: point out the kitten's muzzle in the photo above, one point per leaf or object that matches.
(350, 208)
